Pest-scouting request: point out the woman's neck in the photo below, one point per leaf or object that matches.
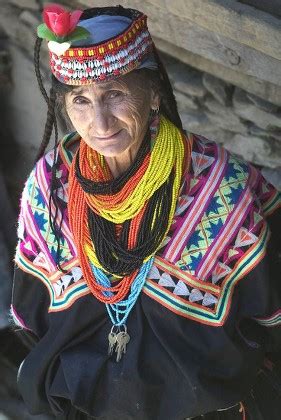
(119, 164)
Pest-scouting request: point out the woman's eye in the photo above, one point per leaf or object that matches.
(80, 100)
(114, 94)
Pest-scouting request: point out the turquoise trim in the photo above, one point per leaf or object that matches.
(55, 302)
(221, 304)
(70, 294)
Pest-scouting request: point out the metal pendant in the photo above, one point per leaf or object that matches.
(112, 336)
(117, 341)
(122, 340)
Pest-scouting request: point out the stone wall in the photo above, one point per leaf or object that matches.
(244, 123)
(270, 6)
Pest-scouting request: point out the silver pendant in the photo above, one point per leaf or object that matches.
(122, 340)
(112, 336)
(117, 341)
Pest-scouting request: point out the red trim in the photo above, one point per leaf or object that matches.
(94, 51)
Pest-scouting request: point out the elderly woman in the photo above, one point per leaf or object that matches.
(146, 275)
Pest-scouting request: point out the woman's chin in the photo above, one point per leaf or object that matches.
(109, 150)
(112, 147)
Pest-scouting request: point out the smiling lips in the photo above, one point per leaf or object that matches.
(111, 137)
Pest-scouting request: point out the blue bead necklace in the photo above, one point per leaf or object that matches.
(118, 312)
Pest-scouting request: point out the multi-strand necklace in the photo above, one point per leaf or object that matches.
(119, 224)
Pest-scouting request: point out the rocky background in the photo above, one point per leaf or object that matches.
(244, 123)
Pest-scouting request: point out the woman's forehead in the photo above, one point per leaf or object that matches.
(125, 82)
(95, 87)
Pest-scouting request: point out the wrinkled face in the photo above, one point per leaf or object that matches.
(112, 117)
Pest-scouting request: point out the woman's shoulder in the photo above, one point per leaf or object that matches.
(220, 235)
(36, 240)
(226, 172)
(44, 172)
(226, 189)
(206, 154)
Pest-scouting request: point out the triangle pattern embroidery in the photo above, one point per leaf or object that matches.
(232, 252)
(209, 299)
(58, 288)
(257, 218)
(245, 237)
(195, 295)
(66, 279)
(77, 273)
(200, 162)
(166, 280)
(154, 273)
(181, 289)
(193, 182)
(220, 271)
(29, 247)
(264, 188)
(184, 202)
(41, 261)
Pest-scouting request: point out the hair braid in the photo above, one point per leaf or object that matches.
(36, 56)
(169, 103)
(54, 221)
(51, 122)
(51, 102)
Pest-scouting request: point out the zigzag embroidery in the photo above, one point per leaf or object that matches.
(207, 203)
(200, 301)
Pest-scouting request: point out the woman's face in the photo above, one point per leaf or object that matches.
(112, 117)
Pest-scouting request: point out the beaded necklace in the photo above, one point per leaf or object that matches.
(119, 225)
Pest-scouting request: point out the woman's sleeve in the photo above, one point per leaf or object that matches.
(30, 297)
(29, 307)
(260, 293)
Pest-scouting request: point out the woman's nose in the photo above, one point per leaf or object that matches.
(103, 120)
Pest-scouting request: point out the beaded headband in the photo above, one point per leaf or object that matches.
(111, 58)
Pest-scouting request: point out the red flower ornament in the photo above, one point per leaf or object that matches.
(59, 21)
(60, 28)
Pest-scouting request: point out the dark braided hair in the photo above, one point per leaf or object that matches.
(50, 125)
(37, 48)
(168, 106)
(158, 80)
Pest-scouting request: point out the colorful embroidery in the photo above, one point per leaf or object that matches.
(218, 235)
(60, 297)
(191, 298)
(36, 249)
(195, 210)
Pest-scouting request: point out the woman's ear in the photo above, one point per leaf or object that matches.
(155, 100)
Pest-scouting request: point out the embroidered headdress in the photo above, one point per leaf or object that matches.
(97, 45)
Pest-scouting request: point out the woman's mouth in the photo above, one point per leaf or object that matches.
(109, 137)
